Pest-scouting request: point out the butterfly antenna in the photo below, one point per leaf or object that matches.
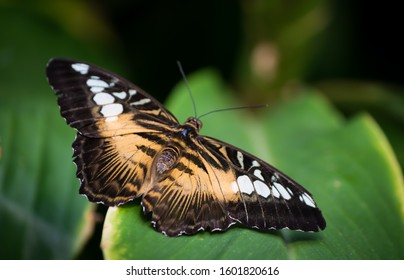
(187, 85)
(234, 108)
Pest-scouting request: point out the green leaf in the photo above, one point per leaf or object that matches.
(41, 215)
(383, 101)
(347, 165)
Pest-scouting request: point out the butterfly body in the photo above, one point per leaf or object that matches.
(129, 146)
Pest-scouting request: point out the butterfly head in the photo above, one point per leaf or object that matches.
(191, 126)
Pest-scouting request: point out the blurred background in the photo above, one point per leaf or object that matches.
(350, 50)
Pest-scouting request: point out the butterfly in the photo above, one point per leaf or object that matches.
(129, 146)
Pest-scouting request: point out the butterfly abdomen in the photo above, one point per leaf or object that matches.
(167, 159)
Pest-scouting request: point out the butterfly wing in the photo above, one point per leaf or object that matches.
(116, 122)
(216, 185)
(189, 197)
(266, 198)
(99, 103)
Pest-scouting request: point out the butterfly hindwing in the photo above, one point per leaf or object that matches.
(114, 170)
(188, 198)
(128, 145)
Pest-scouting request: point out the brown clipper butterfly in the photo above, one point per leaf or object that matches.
(129, 146)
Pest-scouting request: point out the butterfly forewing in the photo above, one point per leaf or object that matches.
(115, 121)
(128, 145)
(99, 103)
(270, 199)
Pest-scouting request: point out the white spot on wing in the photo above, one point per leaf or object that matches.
(245, 184)
(140, 102)
(262, 189)
(240, 159)
(275, 177)
(256, 163)
(275, 193)
(258, 174)
(111, 110)
(96, 83)
(96, 89)
(234, 187)
(284, 193)
(121, 95)
(132, 92)
(81, 68)
(111, 119)
(308, 200)
(113, 82)
(103, 98)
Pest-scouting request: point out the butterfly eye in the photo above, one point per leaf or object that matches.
(195, 122)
